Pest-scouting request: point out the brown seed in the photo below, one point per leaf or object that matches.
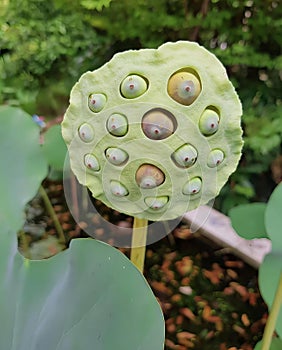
(158, 124)
(184, 87)
(149, 176)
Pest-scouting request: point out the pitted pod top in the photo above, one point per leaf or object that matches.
(155, 133)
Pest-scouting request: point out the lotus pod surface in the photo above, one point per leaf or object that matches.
(141, 129)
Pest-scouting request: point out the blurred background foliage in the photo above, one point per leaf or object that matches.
(46, 46)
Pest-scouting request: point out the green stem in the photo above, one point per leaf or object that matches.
(138, 244)
(24, 244)
(74, 197)
(272, 318)
(52, 214)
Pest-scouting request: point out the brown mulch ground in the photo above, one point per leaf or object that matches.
(209, 297)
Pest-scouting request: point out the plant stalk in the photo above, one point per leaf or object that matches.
(74, 197)
(272, 318)
(53, 215)
(24, 245)
(138, 243)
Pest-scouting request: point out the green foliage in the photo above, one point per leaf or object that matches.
(54, 148)
(266, 217)
(95, 4)
(273, 218)
(90, 296)
(248, 220)
(269, 274)
(23, 165)
(239, 190)
(275, 345)
(262, 120)
(44, 45)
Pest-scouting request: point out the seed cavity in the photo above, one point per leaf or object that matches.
(156, 203)
(91, 162)
(215, 158)
(158, 124)
(118, 189)
(185, 156)
(96, 102)
(85, 132)
(192, 186)
(117, 124)
(209, 122)
(116, 156)
(133, 86)
(184, 87)
(149, 176)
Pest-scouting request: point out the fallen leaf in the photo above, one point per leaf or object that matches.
(234, 264)
(188, 313)
(186, 339)
(245, 320)
(161, 288)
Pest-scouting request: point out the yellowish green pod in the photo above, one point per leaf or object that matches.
(155, 132)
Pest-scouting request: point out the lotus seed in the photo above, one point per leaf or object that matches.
(149, 176)
(96, 102)
(193, 186)
(118, 189)
(116, 156)
(209, 121)
(215, 158)
(117, 124)
(158, 124)
(184, 87)
(185, 156)
(156, 202)
(91, 162)
(86, 132)
(133, 86)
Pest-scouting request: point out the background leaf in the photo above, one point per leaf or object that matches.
(248, 220)
(273, 218)
(55, 148)
(276, 344)
(88, 297)
(269, 275)
(23, 166)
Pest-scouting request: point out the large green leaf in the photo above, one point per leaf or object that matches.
(273, 218)
(23, 165)
(248, 220)
(276, 344)
(88, 297)
(269, 275)
(54, 147)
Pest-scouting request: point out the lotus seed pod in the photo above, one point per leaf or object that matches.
(184, 87)
(193, 186)
(149, 176)
(158, 124)
(86, 133)
(118, 189)
(133, 86)
(209, 122)
(117, 124)
(215, 158)
(116, 156)
(96, 102)
(91, 162)
(161, 125)
(185, 156)
(156, 203)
